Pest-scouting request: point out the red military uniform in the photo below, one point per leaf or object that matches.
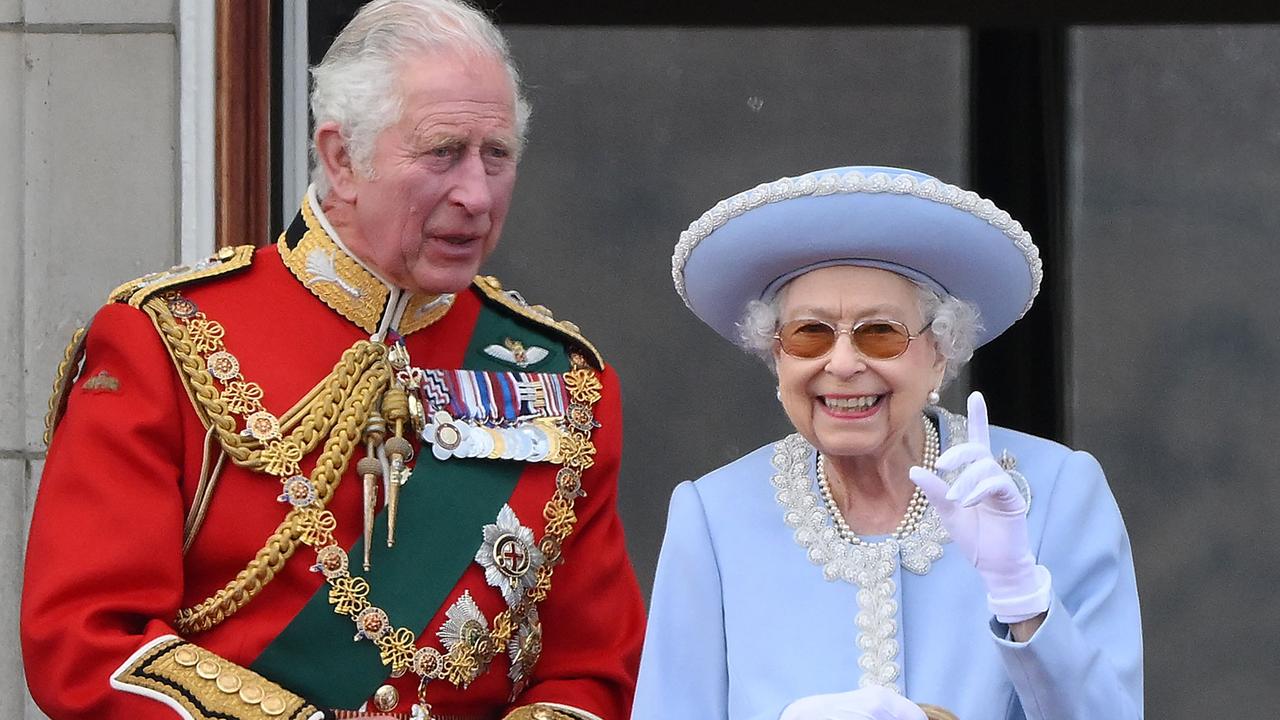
(167, 440)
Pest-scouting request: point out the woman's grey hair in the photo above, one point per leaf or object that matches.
(355, 85)
(954, 324)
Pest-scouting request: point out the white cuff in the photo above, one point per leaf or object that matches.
(1024, 607)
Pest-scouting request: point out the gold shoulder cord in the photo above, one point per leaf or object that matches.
(63, 379)
(336, 413)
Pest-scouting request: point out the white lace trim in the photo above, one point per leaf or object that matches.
(855, 182)
(870, 566)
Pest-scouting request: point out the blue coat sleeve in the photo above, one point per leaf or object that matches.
(1085, 661)
(683, 675)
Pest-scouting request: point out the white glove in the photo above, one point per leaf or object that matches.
(987, 518)
(868, 703)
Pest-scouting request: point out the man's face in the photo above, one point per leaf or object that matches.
(434, 204)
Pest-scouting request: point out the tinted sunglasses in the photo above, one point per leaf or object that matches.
(876, 339)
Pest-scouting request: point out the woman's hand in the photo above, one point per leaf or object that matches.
(986, 516)
(868, 703)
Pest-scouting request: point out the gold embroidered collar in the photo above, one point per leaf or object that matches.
(325, 267)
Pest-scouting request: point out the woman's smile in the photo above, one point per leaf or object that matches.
(851, 407)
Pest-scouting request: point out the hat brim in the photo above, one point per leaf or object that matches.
(910, 223)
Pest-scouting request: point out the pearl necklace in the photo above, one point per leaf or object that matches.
(915, 508)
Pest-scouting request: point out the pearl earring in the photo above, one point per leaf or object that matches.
(934, 398)
(779, 394)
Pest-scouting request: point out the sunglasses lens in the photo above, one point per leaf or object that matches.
(881, 339)
(806, 338)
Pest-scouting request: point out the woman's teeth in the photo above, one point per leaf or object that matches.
(864, 402)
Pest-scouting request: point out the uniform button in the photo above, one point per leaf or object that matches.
(273, 705)
(228, 682)
(208, 669)
(386, 698)
(252, 694)
(186, 657)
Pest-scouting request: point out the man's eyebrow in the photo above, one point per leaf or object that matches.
(510, 143)
(438, 139)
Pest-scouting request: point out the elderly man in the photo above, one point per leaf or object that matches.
(343, 476)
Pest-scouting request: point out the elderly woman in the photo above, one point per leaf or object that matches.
(890, 558)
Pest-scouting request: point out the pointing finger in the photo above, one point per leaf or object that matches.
(979, 430)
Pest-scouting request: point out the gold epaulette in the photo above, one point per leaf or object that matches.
(492, 289)
(226, 260)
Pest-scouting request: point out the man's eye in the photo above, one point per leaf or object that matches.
(442, 152)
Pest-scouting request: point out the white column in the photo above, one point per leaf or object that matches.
(197, 73)
(295, 133)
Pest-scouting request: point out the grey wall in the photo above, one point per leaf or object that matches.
(635, 133)
(88, 135)
(1173, 338)
(1175, 341)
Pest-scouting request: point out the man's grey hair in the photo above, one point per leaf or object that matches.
(955, 325)
(355, 85)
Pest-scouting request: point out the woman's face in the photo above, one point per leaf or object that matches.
(844, 403)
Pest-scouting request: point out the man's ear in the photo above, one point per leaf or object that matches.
(332, 155)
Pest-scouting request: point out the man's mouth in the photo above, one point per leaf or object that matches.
(457, 239)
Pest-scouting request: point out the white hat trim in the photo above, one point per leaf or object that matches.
(855, 182)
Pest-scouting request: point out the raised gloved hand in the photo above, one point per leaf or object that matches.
(868, 703)
(987, 518)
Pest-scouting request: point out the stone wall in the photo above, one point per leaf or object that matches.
(88, 197)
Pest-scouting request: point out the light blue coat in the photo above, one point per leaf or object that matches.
(741, 622)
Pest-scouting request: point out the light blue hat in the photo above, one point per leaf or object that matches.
(749, 245)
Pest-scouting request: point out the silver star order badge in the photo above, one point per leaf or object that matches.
(464, 623)
(509, 556)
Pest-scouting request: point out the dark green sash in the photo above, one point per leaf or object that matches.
(443, 507)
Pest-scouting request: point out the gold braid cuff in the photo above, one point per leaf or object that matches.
(207, 686)
(544, 712)
(933, 712)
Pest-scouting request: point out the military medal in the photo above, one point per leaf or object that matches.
(497, 415)
(509, 556)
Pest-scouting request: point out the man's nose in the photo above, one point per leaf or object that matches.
(471, 185)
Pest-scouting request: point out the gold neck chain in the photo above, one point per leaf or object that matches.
(337, 412)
